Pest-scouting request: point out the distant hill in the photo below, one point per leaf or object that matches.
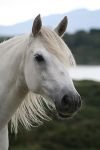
(81, 19)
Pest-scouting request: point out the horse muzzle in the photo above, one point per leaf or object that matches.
(68, 105)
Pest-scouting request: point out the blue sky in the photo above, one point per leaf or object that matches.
(14, 11)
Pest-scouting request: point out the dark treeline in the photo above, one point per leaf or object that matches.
(4, 38)
(84, 45)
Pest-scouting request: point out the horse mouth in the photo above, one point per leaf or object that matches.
(64, 116)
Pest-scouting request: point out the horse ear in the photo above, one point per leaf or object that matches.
(37, 24)
(61, 28)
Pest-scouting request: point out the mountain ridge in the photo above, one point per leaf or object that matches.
(81, 19)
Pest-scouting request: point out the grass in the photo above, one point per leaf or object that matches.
(81, 132)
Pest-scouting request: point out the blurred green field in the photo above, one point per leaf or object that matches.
(79, 133)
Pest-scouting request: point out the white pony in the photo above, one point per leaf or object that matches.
(34, 73)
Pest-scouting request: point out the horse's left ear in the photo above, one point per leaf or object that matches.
(61, 28)
(37, 24)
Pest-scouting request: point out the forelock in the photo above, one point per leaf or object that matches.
(55, 45)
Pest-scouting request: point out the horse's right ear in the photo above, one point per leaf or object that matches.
(37, 24)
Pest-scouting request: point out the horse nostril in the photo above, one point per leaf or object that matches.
(70, 104)
(66, 102)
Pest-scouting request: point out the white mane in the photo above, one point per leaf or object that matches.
(32, 110)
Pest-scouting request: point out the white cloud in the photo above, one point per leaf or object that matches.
(13, 11)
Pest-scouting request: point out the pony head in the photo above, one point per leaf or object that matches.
(47, 61)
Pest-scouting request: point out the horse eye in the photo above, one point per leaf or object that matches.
(39, 58)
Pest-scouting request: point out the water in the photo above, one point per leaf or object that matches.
(85, 73)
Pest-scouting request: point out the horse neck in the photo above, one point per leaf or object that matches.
(12, 84)
(4, 143)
